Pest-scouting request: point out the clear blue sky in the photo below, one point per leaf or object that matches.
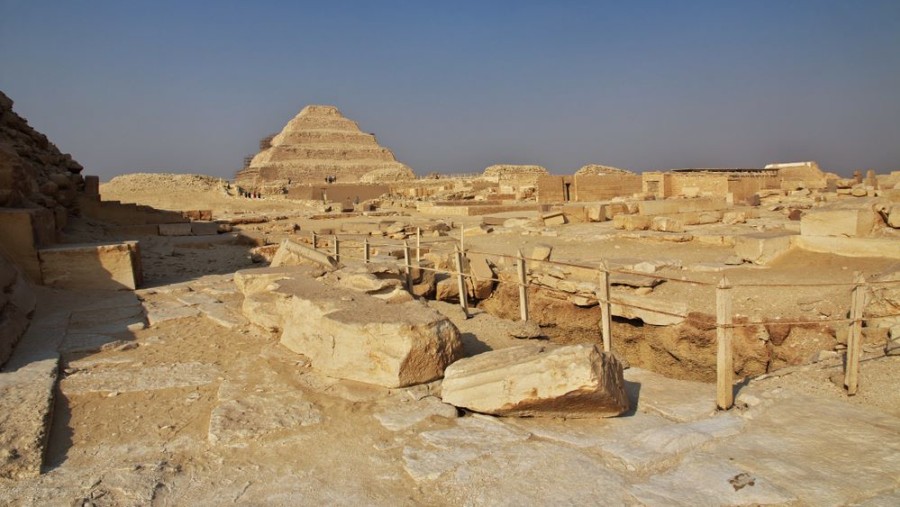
(190, 86)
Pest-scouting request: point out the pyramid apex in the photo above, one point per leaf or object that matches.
(320, 110)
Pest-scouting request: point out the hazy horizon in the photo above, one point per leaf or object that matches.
(192, 86)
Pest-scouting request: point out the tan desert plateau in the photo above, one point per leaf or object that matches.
(329, 328)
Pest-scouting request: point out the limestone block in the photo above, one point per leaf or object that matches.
(762, 247)
(91, 266)
(853, 223)
(482, 276)
(291, 253)
(541, 252)
(615, 208)
(575, 212)
(204, 228)
(538, 380)
(182, 229)
(558, 218)
(632, 222)
(734, 217)
(353, 336)
(596, 213)
(667, 224)
(887, 248)
(893, 219)
(447, 289)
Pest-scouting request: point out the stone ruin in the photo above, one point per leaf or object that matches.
(314, 325)
(33, 172)
(317, 144)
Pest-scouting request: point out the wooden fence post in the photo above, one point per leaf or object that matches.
(418, 245)
(523, 290)
(461, 282)
(724, 357)
(366, 253)
(337, 248)
(605, 306)
(408, 266)
(854, 339)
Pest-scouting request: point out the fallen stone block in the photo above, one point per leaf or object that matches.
(853, 223)
(667, 224)
(541, 252)
(482, 280)
(596, 213)
(762, 247)
(632, 222)
(204, 228)
(558, 218)
(354, 336)
(615, 208)
(182, 229)
(90, 266)
(538, 380)
(291, 253)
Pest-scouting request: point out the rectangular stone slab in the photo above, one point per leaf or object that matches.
(538, 380)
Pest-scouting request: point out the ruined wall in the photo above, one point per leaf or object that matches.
(17, 303)
(33, 172)
(589, 188)
(337, 192)
(657, 184)
(684, 184)
(513, 177)
(551, 188)
(743, 189)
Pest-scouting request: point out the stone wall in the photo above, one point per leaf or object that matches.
(33, 172)
(589, 188)
(552, 188)
(337, 193)
(17, 303)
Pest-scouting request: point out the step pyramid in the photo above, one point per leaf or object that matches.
(317, 144)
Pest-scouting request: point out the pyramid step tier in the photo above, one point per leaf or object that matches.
(321, 152)
(324, 136)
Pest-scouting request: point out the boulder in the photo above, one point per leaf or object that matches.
(538, 380)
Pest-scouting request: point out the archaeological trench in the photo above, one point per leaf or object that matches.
(331, 328)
